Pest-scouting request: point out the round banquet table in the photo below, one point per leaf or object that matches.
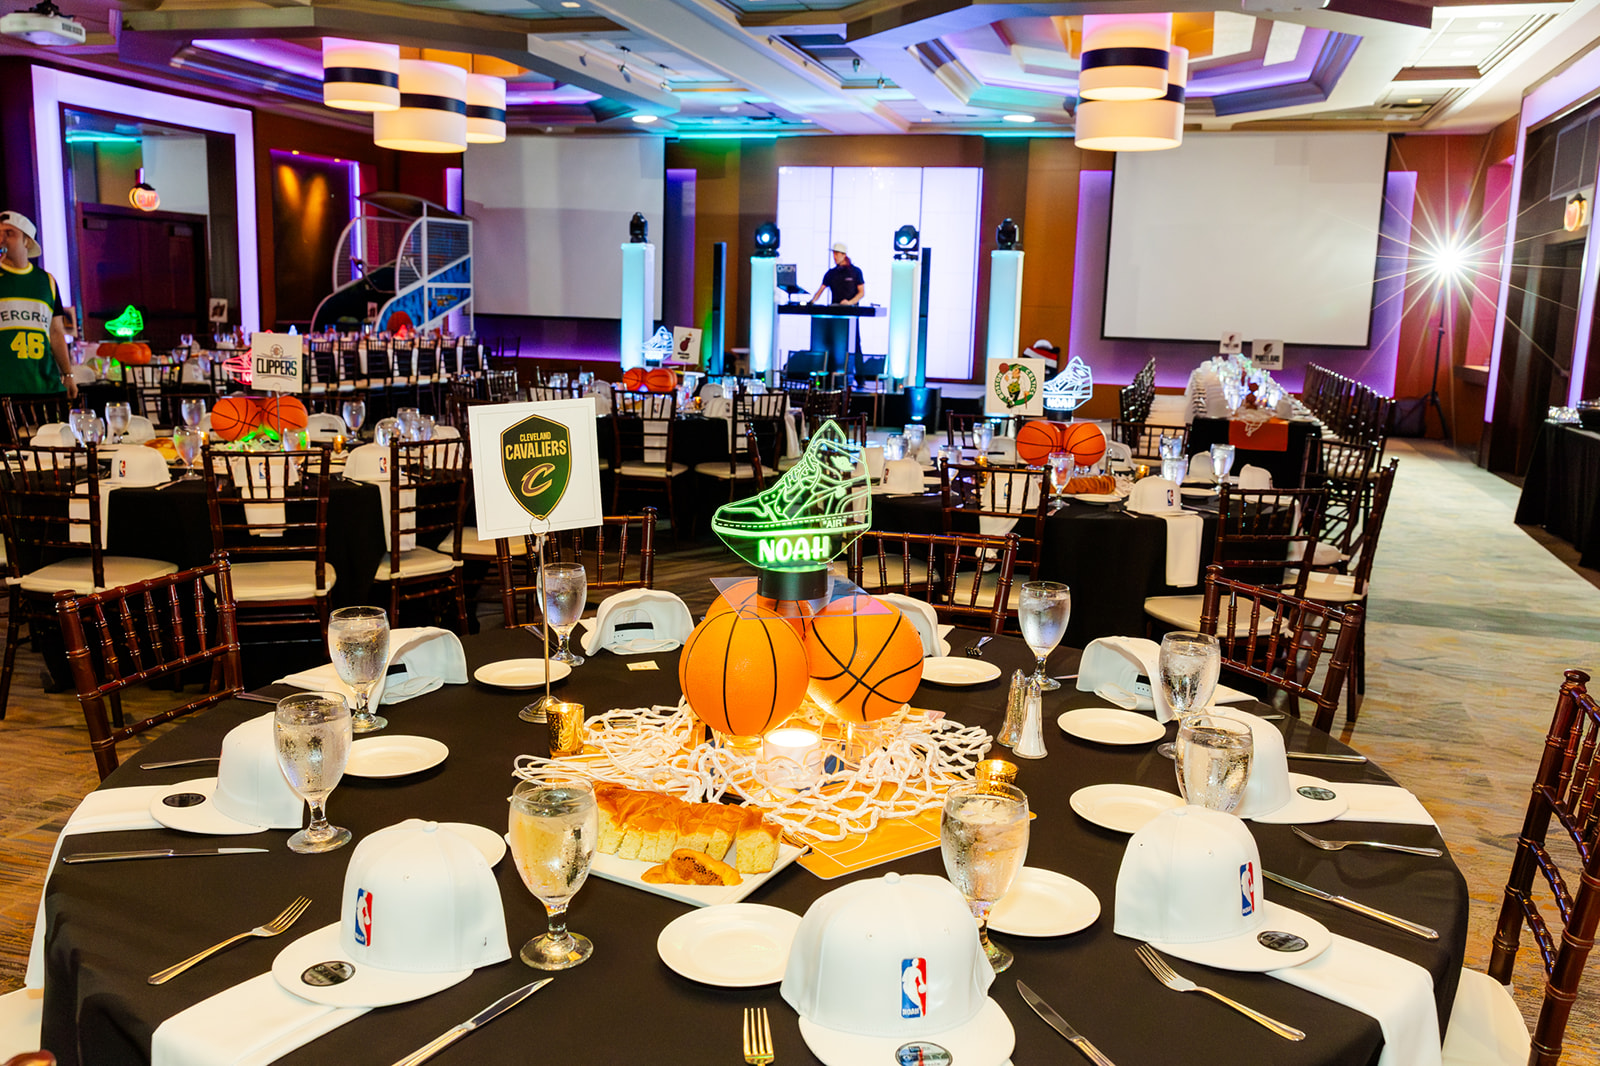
(1111, 558)
(112, 924)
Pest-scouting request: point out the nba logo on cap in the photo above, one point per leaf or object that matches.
(914, 988)
(363, 917)
(122, 468)
(1247, 890)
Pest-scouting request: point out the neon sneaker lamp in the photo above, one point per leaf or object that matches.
(803, 521)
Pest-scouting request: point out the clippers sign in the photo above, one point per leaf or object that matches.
(914, 988)
(275, 362)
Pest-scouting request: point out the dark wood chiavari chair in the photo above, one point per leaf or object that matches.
(965, 577)
(643, 424)
(1281, 641)
(1144, 438)
(1345, 472)
(998, 499)
(768, 432)
(25, 414)
(427, 502)
(144, 632)
(500, 386)
(618, 554)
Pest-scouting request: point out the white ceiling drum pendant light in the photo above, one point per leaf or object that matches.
(359, 75)
(1124, 57)
(486, 109)
(1136, 125)
(433, 110)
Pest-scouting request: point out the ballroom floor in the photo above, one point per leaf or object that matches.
(1472, 623)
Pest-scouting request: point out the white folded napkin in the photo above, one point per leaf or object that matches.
(1185, 532)
(432, 658)
(791, 433)
(638, 622)
(1112, 668)
(1395, 991)
(1255, 477)
(251, 1024)
(1383, 803)
(108, 811)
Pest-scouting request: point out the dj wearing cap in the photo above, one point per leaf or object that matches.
(845, 283)
(33, 335)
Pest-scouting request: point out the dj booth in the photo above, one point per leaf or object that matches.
(832, 350)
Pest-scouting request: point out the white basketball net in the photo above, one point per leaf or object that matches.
(915, 761)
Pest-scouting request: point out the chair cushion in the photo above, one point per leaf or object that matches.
(1486, 1027)
(655, 470)
(721, 470)
(418, 562)
(77, 574)
(986, 590)
(478, 549)
(1332, 588)
(896, 570)
(277, 579)
(1183, 612)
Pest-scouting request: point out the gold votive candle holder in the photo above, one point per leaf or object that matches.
(1141, 472)
(996, 772)
(566, 729)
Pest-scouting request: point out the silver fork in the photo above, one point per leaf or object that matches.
(1170, 977)
(283, 921)
(1340, 845)
(975, 651)
(757, 1037)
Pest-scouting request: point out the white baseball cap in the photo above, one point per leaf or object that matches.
(22, 222)
(1154, 495)
(839, 246)
(922, 616)
(420, 912)
(883, 969)
(1190, 885)
(248, 795)
(639, 622)
(1273, 794)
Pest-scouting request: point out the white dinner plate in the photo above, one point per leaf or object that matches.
(1198, 491)
(1124, 808)
(1044, 903)
(394, 756)
(486, 840)
(519, 673)
(1096, 497)
(739, 945)
(1108, 725)
(958, 670)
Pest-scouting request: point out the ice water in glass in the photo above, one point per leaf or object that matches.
(1189, 665)
(358, 642)
(313, 737)
(1043, 611)
(1214, 754)
(566, 592)
(553, 829)
(983, 836)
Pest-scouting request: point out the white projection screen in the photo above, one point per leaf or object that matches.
(1274, 235)
(550, 214)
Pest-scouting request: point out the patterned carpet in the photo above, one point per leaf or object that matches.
(1471, 626)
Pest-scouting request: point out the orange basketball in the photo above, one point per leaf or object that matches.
(633, 379)
(661, 380)
(1037, 439)
(743, 597)
(284, 414)
(743, 672)
(1086, 441)
(866, 658)
(234, 416)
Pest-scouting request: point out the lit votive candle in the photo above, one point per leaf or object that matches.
(996, 772)
(791, 758)
(566, 729)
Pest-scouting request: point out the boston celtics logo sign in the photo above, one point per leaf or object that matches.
(535, 455)
(1015, 385)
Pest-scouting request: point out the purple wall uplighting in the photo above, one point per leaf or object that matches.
(1115, 362)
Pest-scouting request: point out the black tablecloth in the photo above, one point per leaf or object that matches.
(110, 925)
(1111, 558)
(1284, 466)
(173, 525)
(1562, 489)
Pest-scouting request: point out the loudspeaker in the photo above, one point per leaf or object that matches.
(719, 301)
(919, 362)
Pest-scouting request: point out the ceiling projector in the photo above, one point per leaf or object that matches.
(44, 24)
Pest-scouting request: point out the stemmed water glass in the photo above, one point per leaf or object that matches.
(358, 641)
(1189, 665)
(312, 733)
(193, 412)
(117, 415)
(554, 826)
(982, 437)
(85, 426)
(386, 431)
(189, 441)
(1062, 465)
(1043, 612)
(1222, 461)
(894, 448)
(1175, 470)
(1213, 760)
(354, 413)
(565, 592)
(915, 434)
(408, 418)
(983, 835)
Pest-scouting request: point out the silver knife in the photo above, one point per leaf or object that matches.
(179, 762)
(1059, 1024)
(1325, 756)
(483, 1017)
(1360, 908)
(154, 853)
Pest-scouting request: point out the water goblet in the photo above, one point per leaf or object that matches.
(354, 413)
(1175, 470)
(1222, 461)
(189, 442)
(1043, 612)
(117, 415)
(982, 437)
(408, 418)
(894, 448)
(948, 453)
(425, 427)
(554, 826)
(386, 432)
(1213, 755)
(1189, 665)
(79, 421)
(358, 641)
(983, 836)
(93, 429)
(915, 435)
(1062, 465)
(1169, 447)
(312, 734)
(193, 412)
(566, 591)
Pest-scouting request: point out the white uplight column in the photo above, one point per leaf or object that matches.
(902, 316)
(638, 286)
(763, 312)
(1005, 304)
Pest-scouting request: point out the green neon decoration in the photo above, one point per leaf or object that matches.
(807, 517)
(128, 324)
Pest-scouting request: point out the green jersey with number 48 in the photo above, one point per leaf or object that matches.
(29, 302)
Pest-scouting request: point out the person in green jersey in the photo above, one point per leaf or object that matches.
(33, 334)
